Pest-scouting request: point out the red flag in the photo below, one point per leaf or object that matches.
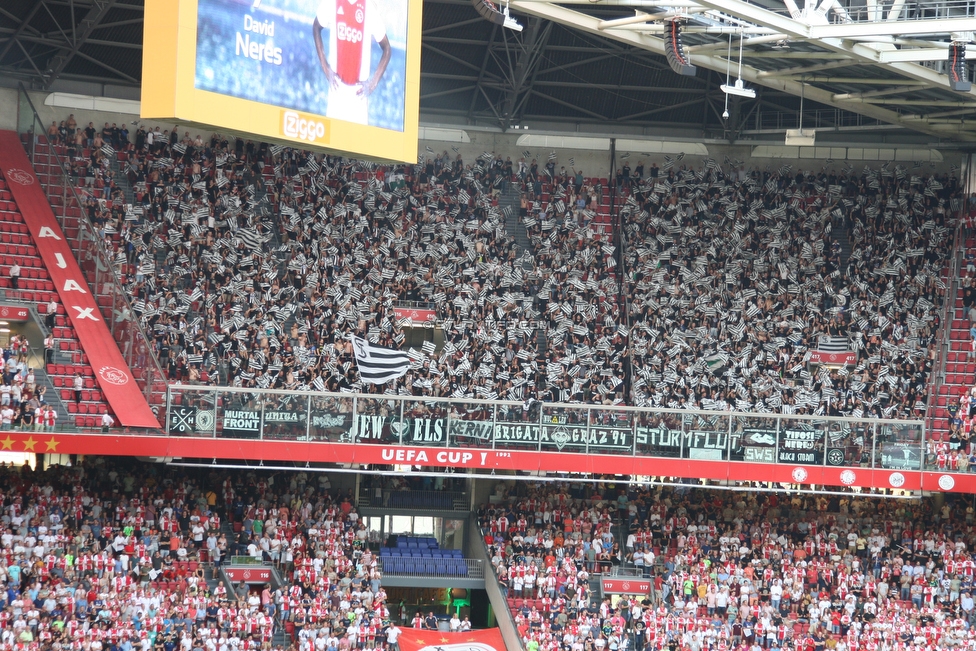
(489, 639)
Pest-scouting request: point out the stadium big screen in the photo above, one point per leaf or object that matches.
(340, 75)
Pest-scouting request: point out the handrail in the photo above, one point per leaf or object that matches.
(177, 387)
(365, 426)
(948, 309)
(103, 260)
(624, 301)
(397, 566)
(503, 614)
(942, 342)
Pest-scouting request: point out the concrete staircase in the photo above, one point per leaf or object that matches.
(510, 203)
(122, 180)
(840, 234)
(52, 396)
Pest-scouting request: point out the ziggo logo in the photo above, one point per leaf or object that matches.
(348, 33)
(294, 125)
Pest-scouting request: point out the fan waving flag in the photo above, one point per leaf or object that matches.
(483, 640)
(378, 365)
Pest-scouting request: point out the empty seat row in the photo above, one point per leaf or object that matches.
(425, 566)
(69, 369)
(83, 407)
(421, 553)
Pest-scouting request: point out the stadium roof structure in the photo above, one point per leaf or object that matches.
(859, 65)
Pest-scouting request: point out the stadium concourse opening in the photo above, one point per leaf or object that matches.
(306, 557)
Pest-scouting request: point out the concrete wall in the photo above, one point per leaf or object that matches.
(597, 163)
(8, 109)
(482, 139)
(503, 616)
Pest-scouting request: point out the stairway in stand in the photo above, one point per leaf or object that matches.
(35, 287)
(510, 203)
(841, 235)
(960, 365)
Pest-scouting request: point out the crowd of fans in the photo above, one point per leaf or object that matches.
(733, 571)
(114, 554)
(735, 280)
(252, 264)
(955, 451)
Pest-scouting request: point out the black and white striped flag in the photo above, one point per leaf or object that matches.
(379, 365)
(526, 154)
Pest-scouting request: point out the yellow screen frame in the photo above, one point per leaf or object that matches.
(169, 92)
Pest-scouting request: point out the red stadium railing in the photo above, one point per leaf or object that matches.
(536, 437)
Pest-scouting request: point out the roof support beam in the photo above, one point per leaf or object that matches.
(20, 30)
(660, 109)
(574, 64)
(897, 27)
(940, 114)
(442, 28)
(29, 57)
(54, 42)
(584, 111)
(639, 17)
(857, 81)
(848, 97)
(588, 24)
(455, 59)
(918, 102)
(865, 52)
(619, 87)
(481, 72)
(916, 54)
(453, 91)
(107, 67)
(87, 25)
(789, 72)
(780, 54)
(533, 45)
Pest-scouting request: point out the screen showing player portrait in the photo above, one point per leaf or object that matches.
(344, 59)
(341, 76)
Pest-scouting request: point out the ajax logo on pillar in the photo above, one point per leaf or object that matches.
(19, 176)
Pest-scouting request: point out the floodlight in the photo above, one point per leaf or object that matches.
(739, 89)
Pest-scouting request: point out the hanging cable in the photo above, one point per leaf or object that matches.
(728, 72)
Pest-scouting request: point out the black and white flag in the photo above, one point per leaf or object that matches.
(378, 365)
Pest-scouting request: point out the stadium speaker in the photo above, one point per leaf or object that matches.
(489, 11)
(958, 77)
(677, 58)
